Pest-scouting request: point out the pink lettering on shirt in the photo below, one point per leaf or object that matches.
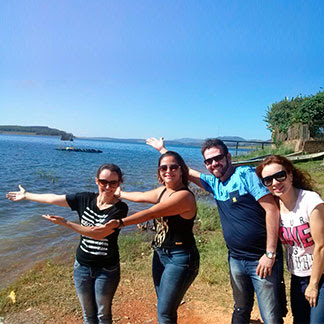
(305, 235)
(284, 236)
(297, 235)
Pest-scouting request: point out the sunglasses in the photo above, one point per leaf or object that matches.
(279, 176)
(216, 158)
(171, 167)
(112, 184)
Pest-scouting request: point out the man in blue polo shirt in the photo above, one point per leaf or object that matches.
(250, 223)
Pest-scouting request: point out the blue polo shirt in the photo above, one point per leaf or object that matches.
(242, 217)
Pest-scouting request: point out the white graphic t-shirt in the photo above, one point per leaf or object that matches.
(295, 234)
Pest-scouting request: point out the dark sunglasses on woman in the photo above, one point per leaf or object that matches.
(171, 167)
(279, 176)
(112, 184)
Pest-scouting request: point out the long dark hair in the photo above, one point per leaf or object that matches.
(301, 179)
(181, 162)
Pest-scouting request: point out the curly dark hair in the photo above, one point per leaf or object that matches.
(301, 178)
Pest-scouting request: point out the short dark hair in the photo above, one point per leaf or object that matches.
(111, 167)
(181, 162)
(213, 142)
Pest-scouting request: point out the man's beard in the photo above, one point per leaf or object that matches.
(224, 169)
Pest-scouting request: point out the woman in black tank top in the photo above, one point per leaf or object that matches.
(176, 258)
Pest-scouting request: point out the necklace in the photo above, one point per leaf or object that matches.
(104, 205)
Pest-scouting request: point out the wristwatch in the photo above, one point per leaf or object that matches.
(121, 224)
(270, 254)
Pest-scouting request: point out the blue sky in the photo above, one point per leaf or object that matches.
(134, 69)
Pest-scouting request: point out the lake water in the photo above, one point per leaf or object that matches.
(33, 162)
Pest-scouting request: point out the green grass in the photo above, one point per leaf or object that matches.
(316, 170)
(46, 283)
(208, 217)
(211, 245)
(281, 150)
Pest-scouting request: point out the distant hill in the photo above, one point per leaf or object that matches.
(180, 141)
(198, 142)
(44, 130)
(33, 130)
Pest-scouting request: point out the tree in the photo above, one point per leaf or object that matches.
(281, 115)
(305, 110)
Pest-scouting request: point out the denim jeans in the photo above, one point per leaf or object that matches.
(95, 288)
(245, 282)
(302, 312)
(173, 272)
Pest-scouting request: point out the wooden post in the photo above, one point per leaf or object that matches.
(236, 148)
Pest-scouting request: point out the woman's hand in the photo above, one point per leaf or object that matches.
(117, 193)
(158, 144)
(112, 224)
(59, 220)
(17, 195)
(311, 294)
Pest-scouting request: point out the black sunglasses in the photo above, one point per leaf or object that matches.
(112, 183)
(279, 176)
(171, 167)
(216, 158)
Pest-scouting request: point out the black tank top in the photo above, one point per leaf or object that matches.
(174, 231)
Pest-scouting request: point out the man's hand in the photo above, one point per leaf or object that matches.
(158, 144)
(264, 267)
(17, 195)
(311, 294)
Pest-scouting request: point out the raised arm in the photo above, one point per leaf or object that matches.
(158, 144)
(150, 196)
(101, 231)
(317, 230)
(272, 227)
(181, 202)
(51, 199)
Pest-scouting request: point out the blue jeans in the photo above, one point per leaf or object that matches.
(245, 282)
(173, 272)
(95, 288)
(302, 312)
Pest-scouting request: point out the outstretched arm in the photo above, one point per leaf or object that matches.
(317, 230)
(101, 231)
(51, 199)
(272, 227)
(150, 196)
(158, 144)
(181, 202)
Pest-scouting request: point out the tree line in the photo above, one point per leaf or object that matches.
(305, 110)
(36, 130)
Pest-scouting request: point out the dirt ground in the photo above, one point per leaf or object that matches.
(135, 303)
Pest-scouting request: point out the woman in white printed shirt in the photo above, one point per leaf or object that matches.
(301, 230)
